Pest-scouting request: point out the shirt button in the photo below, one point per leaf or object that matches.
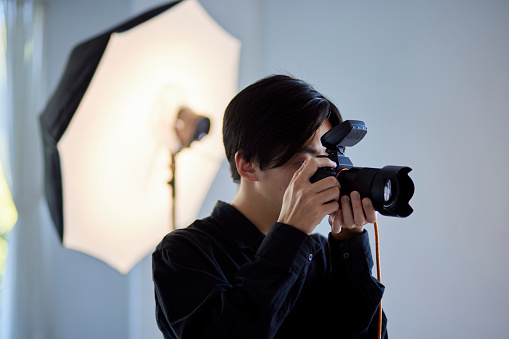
(310, 257)
(346, 255)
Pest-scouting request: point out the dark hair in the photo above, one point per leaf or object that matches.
(273, 119)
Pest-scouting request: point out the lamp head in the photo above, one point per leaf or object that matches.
(190, 126)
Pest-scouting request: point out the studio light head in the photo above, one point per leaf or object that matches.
(389, 188)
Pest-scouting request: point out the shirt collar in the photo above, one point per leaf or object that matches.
(244, 232)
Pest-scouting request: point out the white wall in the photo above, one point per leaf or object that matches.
(430, 79)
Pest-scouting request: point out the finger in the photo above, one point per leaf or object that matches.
(310, 166)
(327, 184)
(335, 220)
(299, 171)
(358, 212)
(327, 195)
(369, 210)
(328, 209)
(324, 162)
(326, 202)
(348, 220)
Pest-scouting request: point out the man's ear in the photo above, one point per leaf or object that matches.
(245, 168)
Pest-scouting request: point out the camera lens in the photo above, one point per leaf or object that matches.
(390, 188)
(387, 191)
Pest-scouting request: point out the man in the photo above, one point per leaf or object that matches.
(252, 269)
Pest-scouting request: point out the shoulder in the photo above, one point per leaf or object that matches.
(195, 234)
(202, 241)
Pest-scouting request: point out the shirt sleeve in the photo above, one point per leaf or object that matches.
(196, 299)
(360, 293)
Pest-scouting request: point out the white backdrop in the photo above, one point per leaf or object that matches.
(431, 81)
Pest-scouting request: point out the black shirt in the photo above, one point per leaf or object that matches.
(223, 278)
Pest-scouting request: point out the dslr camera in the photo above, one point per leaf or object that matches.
(389, 188)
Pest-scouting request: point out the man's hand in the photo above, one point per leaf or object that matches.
(305, 204)
(349, 221)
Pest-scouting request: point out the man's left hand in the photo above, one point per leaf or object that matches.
(348, 221)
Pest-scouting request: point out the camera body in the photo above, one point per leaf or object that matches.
(389, 188)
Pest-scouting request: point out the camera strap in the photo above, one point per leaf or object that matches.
(377, 250)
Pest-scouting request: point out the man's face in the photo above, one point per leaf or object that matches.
(272, 182)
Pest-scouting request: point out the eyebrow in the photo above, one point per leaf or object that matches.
(309, 150)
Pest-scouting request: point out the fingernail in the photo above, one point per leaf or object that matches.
(345, 199)
(366, 202)
(356, 196)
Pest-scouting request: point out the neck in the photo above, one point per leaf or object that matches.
(252, 206)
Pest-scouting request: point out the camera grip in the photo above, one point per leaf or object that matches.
(321, 173)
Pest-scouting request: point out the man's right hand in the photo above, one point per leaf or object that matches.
(305, 204)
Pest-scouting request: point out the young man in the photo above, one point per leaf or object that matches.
(252, 269)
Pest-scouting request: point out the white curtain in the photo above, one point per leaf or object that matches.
(20, 99)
